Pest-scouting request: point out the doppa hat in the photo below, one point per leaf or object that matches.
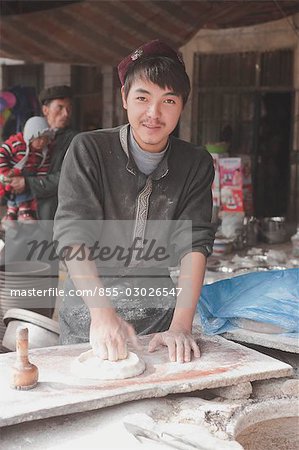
(55, 92)
(152, 48)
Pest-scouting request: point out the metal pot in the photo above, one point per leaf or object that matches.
(250, 229)
(273, 230)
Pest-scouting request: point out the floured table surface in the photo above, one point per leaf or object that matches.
(223, 363)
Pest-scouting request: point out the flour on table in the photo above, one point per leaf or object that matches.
(87, 365)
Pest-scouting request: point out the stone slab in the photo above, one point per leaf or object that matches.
(278, 341)
(242, 390)
(276, 388)
(223, 363)
(209, 425)
(105, 429)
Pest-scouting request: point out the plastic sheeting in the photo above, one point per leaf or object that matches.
(270, 297)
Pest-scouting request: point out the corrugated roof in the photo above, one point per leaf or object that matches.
(102, 32)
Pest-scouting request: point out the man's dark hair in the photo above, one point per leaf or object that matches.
(160, 70)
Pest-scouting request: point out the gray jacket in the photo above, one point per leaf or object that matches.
(100, 181)
(101, 185)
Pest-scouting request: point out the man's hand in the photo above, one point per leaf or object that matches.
(109, 335)
(180, 344)
(18, 184)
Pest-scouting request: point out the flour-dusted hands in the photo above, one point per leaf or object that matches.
(109, 335)
(180, 344)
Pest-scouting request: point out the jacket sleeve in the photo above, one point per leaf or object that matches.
(195, 232)
(45, 186)
(5, 154)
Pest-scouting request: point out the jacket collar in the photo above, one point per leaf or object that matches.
(162, 168)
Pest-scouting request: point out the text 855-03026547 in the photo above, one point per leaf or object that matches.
(139, 292)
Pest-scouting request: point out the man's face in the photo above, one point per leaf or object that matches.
(58, 112)
(153, 113)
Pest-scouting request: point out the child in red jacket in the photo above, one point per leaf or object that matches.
(27, 154)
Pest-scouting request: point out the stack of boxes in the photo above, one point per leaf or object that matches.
(236, 185)
(232, 187)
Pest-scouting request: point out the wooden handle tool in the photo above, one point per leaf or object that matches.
(24, 374)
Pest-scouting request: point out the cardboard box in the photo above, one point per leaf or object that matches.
(216, 183)
(235, 184)
(231, 199)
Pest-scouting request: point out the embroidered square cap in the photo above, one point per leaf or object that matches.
(55, 92)
(152, 48)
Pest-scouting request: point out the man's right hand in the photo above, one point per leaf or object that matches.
(109, 335)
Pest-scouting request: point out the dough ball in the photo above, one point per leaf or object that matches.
(87, 365)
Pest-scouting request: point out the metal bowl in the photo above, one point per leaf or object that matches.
(273, 230)
(43, 332)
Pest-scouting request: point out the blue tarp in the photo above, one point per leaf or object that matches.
(270, 297)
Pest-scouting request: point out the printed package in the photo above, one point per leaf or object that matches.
(216, 183)
(236, 184)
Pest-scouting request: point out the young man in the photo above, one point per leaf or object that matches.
(136, 174)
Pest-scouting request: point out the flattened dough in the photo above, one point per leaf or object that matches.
(89, 366)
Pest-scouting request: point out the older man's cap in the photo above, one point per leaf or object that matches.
(152, 48)
(55, 92)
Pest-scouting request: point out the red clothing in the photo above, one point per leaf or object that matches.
(13, 150)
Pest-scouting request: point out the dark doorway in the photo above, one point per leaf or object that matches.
(273, 155)
(246, 100)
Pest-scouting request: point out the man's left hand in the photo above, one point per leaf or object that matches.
(18, 185)
(180, 345)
